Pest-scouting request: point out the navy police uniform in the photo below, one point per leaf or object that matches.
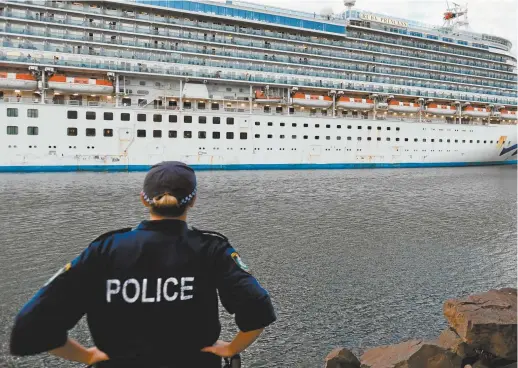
(150, 295)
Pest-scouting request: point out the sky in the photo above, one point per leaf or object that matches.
(495, 17)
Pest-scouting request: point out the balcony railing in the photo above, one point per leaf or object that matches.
(386, 73)
(86, 8)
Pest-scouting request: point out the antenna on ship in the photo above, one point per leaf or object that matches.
(456, 16)
(349, 4)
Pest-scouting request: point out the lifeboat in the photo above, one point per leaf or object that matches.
(400, 106)
(355, 103)
(18, 81)
(260, 97)
(476, 112)
(303, 99)
(436, 109)
(80, 85)
(508, 114)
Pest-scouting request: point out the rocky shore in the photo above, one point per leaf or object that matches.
(481, 334)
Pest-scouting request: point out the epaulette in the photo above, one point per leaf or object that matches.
(207, 232)
(105, 235)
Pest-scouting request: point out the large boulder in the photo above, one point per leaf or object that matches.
(410, 354)
(341, 358)
(449, 340)
(486, 321)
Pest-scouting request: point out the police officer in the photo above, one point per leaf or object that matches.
(149, 293)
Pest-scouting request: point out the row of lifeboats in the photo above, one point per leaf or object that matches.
(365, 104)
(27, 82)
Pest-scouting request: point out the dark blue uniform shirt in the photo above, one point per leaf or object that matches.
(150, 297)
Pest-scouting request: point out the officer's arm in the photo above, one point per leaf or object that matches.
(43, 322)
(241, 294)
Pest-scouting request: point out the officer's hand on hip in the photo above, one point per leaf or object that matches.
(220, 348)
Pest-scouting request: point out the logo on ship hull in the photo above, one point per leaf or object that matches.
(509, 149)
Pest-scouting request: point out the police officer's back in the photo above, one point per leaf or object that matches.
(149, 293)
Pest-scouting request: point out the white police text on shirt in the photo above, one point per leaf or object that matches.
(167, 290)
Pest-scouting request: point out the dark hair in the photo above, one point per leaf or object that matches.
(166, 205)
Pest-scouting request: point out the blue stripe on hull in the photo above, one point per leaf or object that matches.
(111, 168)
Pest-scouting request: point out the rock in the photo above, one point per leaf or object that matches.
(486, 321)
(449, 340)
(341, 358)
(410, 354)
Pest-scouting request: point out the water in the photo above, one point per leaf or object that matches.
(351, 258)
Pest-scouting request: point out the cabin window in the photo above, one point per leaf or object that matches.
(202, 135)
(187, 119)
(406, 139)
(230, 121)
(141, 133)
(125, 116)
(72, 132)
(257, 123)
(90, 132)
(369, 128)
(216, 135)
(202, 120)
(266, 109)
(72, 114)
(369, 138)
(187, 105)
(108, 116)
(379, 128)
(12, 130)
(305, 137)
(187, 134)
(214, 106)
(397, 139)
(270, 136)
(424, 139)
(173, 134)
(388, 128)
(90, 115)
(270, 123)
(359, 126)
(141, 117)
(157, 118)
(359, 138)
(338, 138)
(32, 130)
(12, 112)
(173, 118)
(243, 135)
(317, 137)
(108, 132)
(306, 125)
(201, 105)
(388, 139)
(328, 138)
(257, 136)
(317, 125)
(293, 124)
(126, 101)
(397, 129)
(215, 120)
(282, 124)
(157, 133)
(349, 127)
(230, 135)
(278, 109)
(415, 139)
(32, 113)
(378, 139)
(349, 138)
(281, 136)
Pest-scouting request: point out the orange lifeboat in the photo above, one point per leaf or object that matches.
(18, 81)
(437, 109)
(476, 112)
(80, 85)
(400, 106)
(303, 99)
(260, 97)
(355, 103)
(508, 114)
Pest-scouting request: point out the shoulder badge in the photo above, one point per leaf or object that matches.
(235, 256)
(61, 271)
(207, 232)
(105, 235)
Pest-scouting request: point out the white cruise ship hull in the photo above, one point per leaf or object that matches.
(325, 143)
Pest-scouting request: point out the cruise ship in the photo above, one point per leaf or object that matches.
(122, 85)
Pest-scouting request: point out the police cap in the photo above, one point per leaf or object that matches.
(171, 177)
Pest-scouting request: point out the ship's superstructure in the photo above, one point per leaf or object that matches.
(124, 84)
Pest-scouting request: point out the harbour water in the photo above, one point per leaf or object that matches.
(351, 258)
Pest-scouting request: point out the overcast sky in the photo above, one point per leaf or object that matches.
(496, 17)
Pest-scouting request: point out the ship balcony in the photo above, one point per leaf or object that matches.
(218, 73)
(85, 8)
(262, 67)
(264, 44)
(18, 29)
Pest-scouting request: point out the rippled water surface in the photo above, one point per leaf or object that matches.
(351, 258)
